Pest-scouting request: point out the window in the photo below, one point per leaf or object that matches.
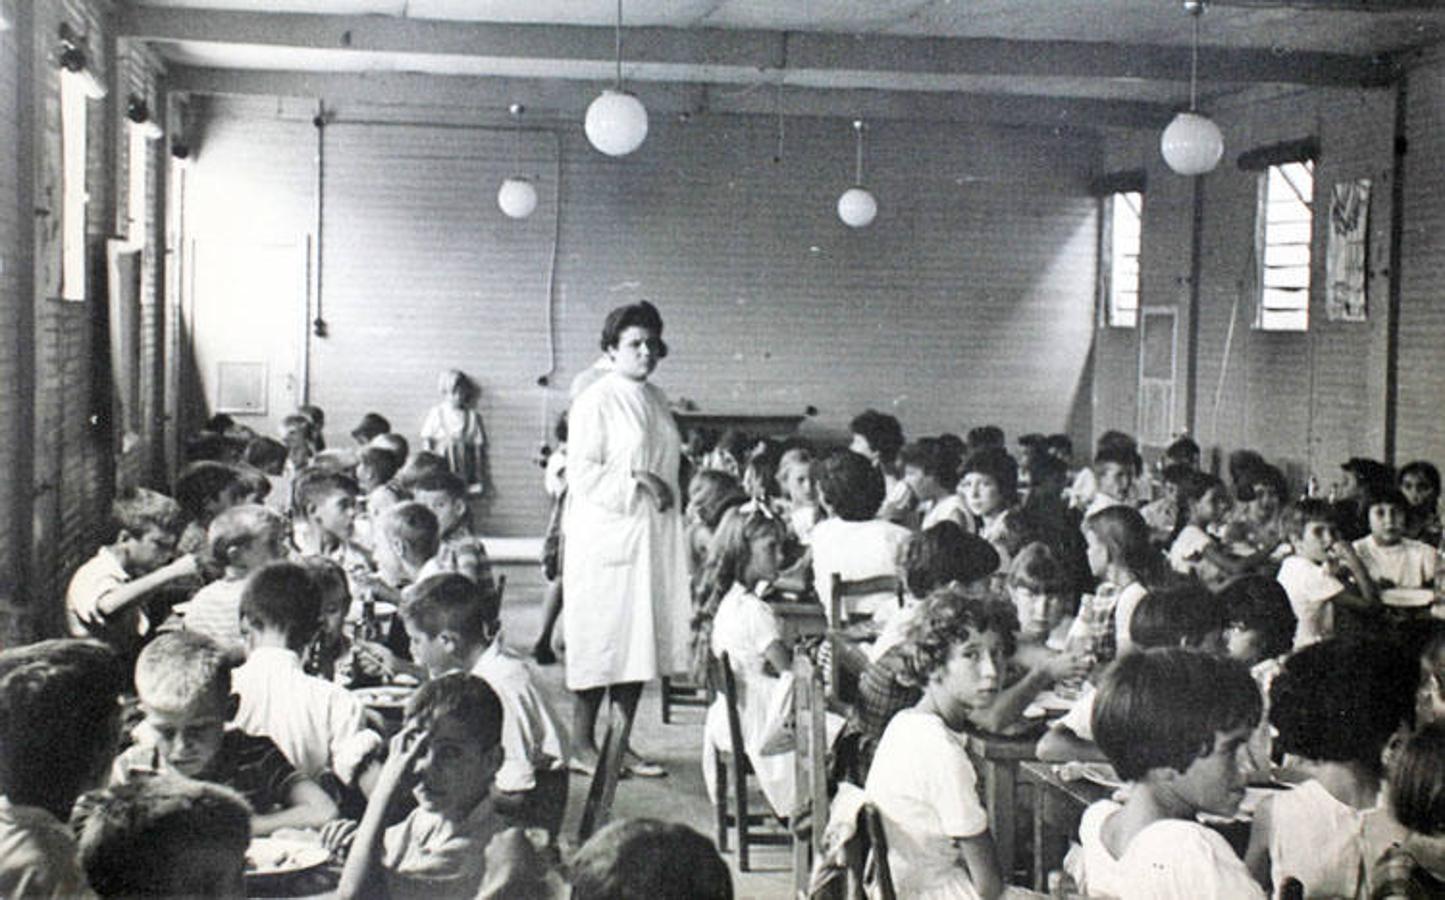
(1286, 225)
(1123, 221)
(77, 89)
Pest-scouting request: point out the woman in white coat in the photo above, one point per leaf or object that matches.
(626, 620)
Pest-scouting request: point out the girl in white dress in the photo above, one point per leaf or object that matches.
(1336, 705)
(624, 574)
(921, 779)
(744, 556)
(453, 428)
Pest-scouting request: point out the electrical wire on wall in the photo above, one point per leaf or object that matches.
(545, 379)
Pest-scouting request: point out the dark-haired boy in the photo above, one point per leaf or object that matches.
(447, 756)
(1312, 576)
(445, 494)
(59, 725)
(319, 725)
(453, 625)
(107, 594)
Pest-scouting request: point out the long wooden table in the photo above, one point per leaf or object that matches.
(999, 758)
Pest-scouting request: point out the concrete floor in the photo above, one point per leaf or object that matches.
(681, 796)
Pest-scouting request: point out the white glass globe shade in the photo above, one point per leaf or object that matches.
(616, 123)
(1192, 144)
(517, 198)
(857, 208)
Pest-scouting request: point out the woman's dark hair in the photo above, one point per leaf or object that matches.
(1184, 448)
(1425, 470)
(1341, 700)
(943, 554)
(1417, 781)
(1260, 604)
(1195, 485)
(1182, 614)
(881, 431)
(996, 463)
(1163, 708)
(933, 457)
(634, 315)
(649, 858)
(851, 485)
(947, 617)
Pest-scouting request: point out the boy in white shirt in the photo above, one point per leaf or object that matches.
(318, 725)
(1114, 469)
(851, 542)
(1392, 559)
(1312, 575)
(453, 624)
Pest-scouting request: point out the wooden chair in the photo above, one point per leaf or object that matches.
(501, 588)
(677, 692)
(872, 822)
(810, 761)
(839, 644)
(736, 758)
(603, 788)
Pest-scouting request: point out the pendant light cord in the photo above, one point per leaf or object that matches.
(618, 43)
(1193, 62)
(858, 164)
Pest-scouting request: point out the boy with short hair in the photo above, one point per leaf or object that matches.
(325, 505)
(1390, 558)
(184, 683)
(1312, 574)
(447, 755)
(407, 539)
(317, 724)
(453, 625)
(242, 539)
(1114, 470)
(59, 724)
(166, 837)
(107, 594)
(445, 494)
(204, 490)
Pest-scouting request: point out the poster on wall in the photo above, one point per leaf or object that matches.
(1345, 259)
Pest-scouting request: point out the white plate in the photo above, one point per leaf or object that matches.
(1407, 597)
(267, 857)
(386, 696)
(1098, 773)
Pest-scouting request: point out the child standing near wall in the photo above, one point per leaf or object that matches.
(453, 428)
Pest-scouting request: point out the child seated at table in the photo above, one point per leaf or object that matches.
(649, 858)
(799, 494)
(204, 490)
(1259, 632)
(242, 539)
(107, 594)
(458, 550)
(184, 683)
(1114, 470)
(1335, 706)
(325, 515)
(930, 469)
(1184, 616)
(453, 623)
(1430, 694)
(1172, 721)
(851, 542)
(317, 724)
(165, 837)
(59, 720)
(1420, 483)
(328, 655)
(1037, 585)
(922, 779)
(1390, 558)
(1414, 867)
(446, 755)
(1312, 575)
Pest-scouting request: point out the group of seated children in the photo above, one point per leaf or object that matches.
(1208, 635)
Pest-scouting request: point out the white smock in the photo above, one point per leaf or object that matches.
(624, 574)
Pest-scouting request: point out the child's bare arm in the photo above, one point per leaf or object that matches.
(307, 806)
(133, 592)
(982, 861)
(1351, 561)
(1059, 744)
(779, 657)
(362, 876)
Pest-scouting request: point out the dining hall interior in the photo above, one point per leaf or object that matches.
(1136, 234)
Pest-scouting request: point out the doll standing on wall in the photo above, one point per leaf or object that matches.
(453, 428)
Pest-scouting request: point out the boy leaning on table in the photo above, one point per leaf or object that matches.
(446, 755)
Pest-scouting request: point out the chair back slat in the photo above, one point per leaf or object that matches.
(878, 843)
(602, 790)
(729, 684)
(501, 588)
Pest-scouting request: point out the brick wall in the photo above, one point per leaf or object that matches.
(1308, 400)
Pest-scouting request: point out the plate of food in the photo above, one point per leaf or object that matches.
(268, 857)
(384, 696)
(1407, 598)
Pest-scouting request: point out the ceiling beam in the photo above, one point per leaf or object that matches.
(750, 49)
(556, 100)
